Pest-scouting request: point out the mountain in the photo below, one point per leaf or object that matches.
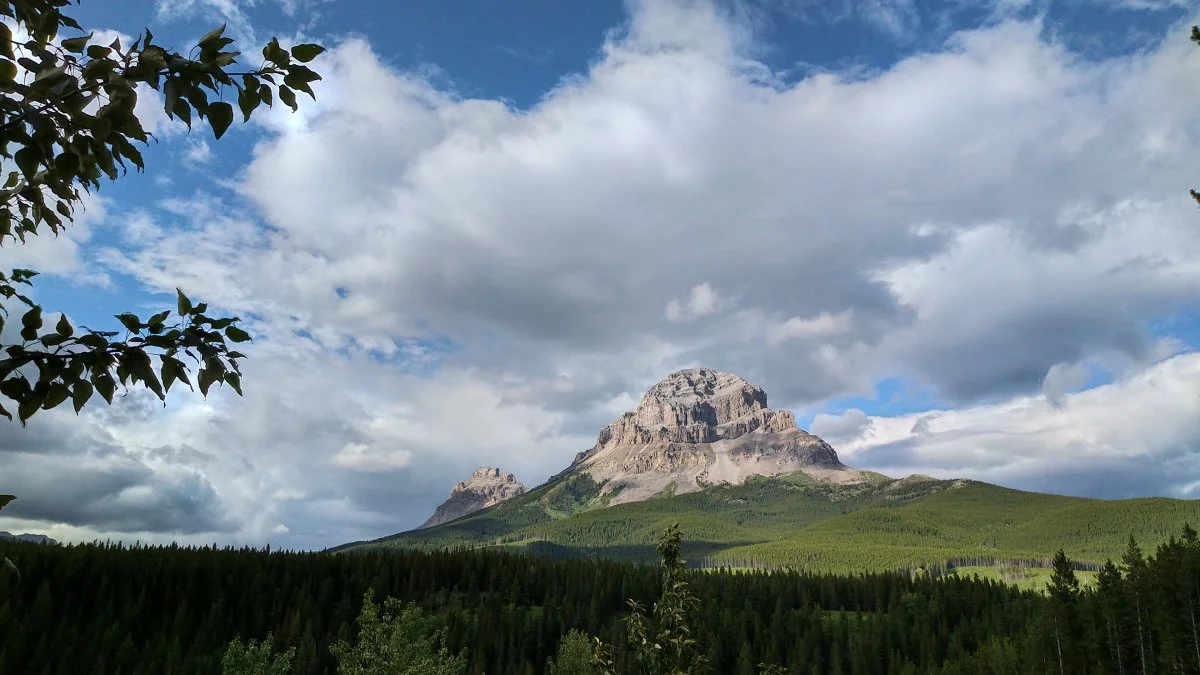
(701, 427)
(749, 489)
(28, 538)
(486, 487)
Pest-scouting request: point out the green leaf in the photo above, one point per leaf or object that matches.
(307, 52)
(207, 377)
(5, 499)
(80, 394)
(55, 396)
(220, 116)
(160, 317)
(6, 47)
(234, 380)
(31, 323)
(130, 321)
(170, 369)
(28, 159)
(94, 341)
(106, 386)
(288, 97)
(214, 34)
(248, 100)
(28, 406)
(63, 327)
(185, 305)
(237, 334)
(76, 45)
(276, 54)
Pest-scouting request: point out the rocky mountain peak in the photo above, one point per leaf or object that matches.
(492, 481)
(699, 396)
(487, 486)
(699, 427)
(697, 405)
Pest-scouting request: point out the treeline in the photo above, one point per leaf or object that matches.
(111, 609)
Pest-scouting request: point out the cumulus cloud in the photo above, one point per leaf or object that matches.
(63, 255)
(1135, 437)
(437, 282)
(702, 301)
(906, 224)
(1064, 377)
(847, 426)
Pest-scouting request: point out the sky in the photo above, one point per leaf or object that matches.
(954, 238)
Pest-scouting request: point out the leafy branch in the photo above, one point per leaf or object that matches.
(67, 120)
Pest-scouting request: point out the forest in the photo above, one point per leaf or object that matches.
(108, 608)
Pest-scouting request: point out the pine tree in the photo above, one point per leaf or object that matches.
(1110, 592)
(1135, 574)
(1063, 590)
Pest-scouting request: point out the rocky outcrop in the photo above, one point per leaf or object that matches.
(486, 487)
(702, 427)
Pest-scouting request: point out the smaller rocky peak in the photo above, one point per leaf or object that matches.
(487, 486)
(490, 479)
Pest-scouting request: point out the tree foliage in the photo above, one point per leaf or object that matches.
(256, 658)
(573, 656)
(68, 122)
(396, 639)
(113, 609)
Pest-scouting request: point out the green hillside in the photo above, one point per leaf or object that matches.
(797, 522)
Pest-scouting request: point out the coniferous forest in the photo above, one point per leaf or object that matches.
(112, 609)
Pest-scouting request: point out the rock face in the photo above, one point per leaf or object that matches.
(703, 427)
(486, 487)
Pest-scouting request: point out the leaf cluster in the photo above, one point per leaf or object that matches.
(662, 640)
(396, 639)
(51, 366)
(256, 658)
(67, 120)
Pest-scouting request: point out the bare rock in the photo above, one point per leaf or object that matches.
(486, 487)
(700, 427)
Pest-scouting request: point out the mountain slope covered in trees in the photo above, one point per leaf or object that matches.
(799, 522)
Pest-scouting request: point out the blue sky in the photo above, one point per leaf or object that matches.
(937, 231)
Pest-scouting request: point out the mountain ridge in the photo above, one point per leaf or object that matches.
(750, 489)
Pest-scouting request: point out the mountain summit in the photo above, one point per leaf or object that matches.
(486, 487)
(701, 427)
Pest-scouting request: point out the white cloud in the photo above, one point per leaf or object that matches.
(837, 429)
(701, 301)
(1133, 437)
(823, 325)
(62, 255)
(1062, 378)
(198, 151)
